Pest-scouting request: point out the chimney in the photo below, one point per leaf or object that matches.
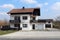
(23, 8)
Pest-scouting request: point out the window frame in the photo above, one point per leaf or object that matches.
(25, 18)
(25, 25)
(48, 25)
(17, 18)
(16, 25)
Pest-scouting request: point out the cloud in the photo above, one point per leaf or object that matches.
(39, 5)
(4, 16)
(11, 6)
(34, 2)
(29, 1)
(3, 11)
(45, 3)
(56, 6)
(55, 9)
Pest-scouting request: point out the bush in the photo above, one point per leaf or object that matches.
(6, 27)
(56, 24)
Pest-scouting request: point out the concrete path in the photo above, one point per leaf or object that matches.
(33, 34)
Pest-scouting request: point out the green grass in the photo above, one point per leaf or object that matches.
(6, 31)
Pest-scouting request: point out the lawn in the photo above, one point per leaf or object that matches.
(6, 31)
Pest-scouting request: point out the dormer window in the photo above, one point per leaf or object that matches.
(24, 17)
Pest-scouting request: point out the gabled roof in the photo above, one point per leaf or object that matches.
(25, 10)
(21, 10)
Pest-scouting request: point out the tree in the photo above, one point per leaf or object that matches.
(58, 18)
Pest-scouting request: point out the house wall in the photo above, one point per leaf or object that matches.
(41, 26)
(37, 17)
(12, 25)
(11, 17)
(38, 26)
(49, 23)
(22, 21)
(25, 22)
(29, 27)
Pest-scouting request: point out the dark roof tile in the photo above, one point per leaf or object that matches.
(25, 10)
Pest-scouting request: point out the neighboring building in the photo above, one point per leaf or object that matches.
(27, 19)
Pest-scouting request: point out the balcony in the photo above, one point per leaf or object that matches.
(33, 21)
(15, 21)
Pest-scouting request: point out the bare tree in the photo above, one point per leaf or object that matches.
(58, 18)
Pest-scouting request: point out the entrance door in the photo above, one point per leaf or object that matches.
(18, 25)
(33, 26)
(19, 28)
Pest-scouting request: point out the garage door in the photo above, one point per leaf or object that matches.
(39, 26)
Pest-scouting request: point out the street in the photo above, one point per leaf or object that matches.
(32, 35)
(29, 38)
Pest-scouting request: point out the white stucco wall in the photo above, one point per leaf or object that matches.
(28, 26)
(37, 17)
(39, 26)
(25, 21)
(12, 25)
(11, 17)
(22, 21)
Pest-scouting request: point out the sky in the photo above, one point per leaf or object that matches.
(49, 9)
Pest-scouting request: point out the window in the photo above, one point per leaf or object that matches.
(17, 25)
(24, 17)
(17, 18)
(24, 25)
(48, 25)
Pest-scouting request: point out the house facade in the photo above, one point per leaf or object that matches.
(27, 19)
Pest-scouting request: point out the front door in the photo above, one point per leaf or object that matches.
(33, 26)
(18, 26)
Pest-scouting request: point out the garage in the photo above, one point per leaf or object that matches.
(39, 26)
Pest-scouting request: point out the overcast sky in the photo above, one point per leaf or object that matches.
(49, 8)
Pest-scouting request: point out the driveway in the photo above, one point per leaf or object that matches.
(33, 34)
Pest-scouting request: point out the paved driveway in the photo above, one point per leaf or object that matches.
(33, 34)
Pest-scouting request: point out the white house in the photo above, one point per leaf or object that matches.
(27, 19)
